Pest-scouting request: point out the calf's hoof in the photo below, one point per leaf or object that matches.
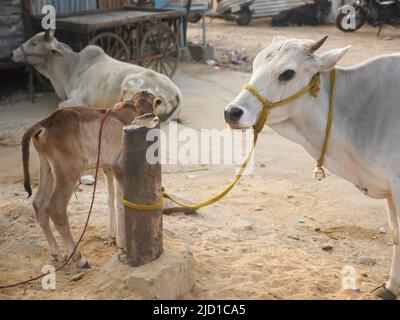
(383, 293)
(59, 257)
(83, 264)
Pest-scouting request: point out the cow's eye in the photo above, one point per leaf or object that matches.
(33, 44)
(287, 75)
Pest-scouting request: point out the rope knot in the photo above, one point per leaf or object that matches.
(316, 81)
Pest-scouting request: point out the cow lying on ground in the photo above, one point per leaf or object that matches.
(307, 14)
(90, 78)
(67, 145)
(364, 140)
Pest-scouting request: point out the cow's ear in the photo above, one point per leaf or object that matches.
(56, 48)
(329, 59)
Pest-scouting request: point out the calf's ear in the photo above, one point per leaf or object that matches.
(156, 103)
(329, 59)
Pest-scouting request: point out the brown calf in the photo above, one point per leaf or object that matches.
(67, 145)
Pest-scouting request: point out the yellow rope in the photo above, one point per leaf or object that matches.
(313, 87)
(320, 161)
(143, 207)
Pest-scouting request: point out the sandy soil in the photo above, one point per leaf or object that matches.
(264, 241)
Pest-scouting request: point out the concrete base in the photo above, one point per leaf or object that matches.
(169, 277)
(184, 54)
(201, 53)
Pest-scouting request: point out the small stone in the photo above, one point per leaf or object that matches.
(317, 229)
(242, 224)
(368, 261)
(77, 277)
(301, 221)
(382, 230)
(364, 274)
(87, 180)
(294, 238)
(327, 247)
(192, 176)
(290, 196)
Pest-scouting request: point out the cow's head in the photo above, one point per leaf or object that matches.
(38, 49)
(279, 71)
(160, 86)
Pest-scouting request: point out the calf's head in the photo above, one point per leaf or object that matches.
(142, 103)
(160, 86)
(38, 49)
(280, 71)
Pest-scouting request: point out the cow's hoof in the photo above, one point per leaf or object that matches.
(383, 293)
(84, 264)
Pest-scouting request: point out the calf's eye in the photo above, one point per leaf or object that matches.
(287, 75)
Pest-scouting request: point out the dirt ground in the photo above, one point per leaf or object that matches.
(226, 37)
(278, 235)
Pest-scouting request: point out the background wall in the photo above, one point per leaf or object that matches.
(11, 26)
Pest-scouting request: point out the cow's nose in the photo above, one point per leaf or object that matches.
(233, 114)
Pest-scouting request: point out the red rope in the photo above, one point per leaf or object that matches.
(87, 219)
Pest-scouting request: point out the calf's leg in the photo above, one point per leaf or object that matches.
(109, 176)
(45, 187)
(119, 195)
(64, 184)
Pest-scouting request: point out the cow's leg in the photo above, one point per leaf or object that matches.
(65, 181)
(393, 221)
(392, 287)
(109, 176)
(72, 102)
(41, 197)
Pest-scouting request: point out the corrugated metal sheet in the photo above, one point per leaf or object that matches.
(63, 6)
(110, 4)
(265, 8)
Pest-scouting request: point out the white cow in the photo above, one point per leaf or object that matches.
(364, 143)
(92, 78)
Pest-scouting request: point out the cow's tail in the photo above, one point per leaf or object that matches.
(34, 130)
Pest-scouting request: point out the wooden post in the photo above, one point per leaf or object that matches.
(142, 184)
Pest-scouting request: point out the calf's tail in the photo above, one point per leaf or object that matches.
(25, 155)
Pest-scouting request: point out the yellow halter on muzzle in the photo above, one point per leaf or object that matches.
(313, 87)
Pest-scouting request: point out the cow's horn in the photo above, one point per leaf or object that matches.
(318, 44)
(47, 35)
